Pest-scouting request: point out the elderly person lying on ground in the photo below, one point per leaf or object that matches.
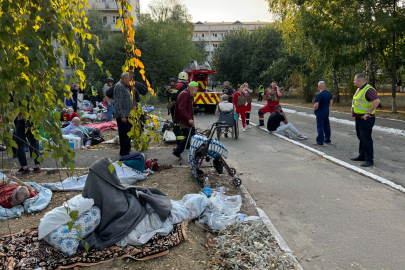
(69, 115)
(77, 130)
(15, 194)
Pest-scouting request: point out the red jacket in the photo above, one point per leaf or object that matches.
(183, 112)
(67, 117)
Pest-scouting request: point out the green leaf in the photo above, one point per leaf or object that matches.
(111, 168)
(74, 215)
(79, 229)
(67, 209)
(70, 225)
(86, 246)
(119, 163)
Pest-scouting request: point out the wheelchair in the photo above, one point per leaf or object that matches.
(230, 124)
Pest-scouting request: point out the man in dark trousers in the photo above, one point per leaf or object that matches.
(323, 101)
(365, 102)
(184, 117)
(123, 106)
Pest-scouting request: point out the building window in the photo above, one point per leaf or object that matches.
(215, 35)
(215, 45)
(104, 19)
(115, 19)
(202, 35)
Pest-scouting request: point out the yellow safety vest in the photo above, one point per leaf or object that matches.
(360, 104)
(261, 89)
(93, 92)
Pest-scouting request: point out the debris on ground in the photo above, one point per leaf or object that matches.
(248, 246)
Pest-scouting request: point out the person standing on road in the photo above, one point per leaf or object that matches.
(278, 123)
(239, 100)
(184, 118)
(261, 93)
(228, 90)
(323, 101)
(108, 101)
(273, 96)
(123, 107)
(248, 93)
(365, 102)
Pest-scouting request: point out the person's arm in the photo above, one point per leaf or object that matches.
(331, 103)
(3, 182)
(316, 106)
(373, 107)
(285, 118)
(106, 98)
(118, 94)
(235, 98)
(30, 189)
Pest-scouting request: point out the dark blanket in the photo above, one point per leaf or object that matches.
(122, 207)
(24, 251)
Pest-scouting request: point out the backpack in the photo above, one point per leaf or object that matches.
(110, 92)
(241, 101)
(248, 97)
(96, 137)
(271, 96)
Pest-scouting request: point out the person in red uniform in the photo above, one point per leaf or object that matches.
(239, 100)
(184, 117)
(15, 194)
(69, 115)
(273, 96)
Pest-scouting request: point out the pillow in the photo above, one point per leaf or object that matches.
(68, 242)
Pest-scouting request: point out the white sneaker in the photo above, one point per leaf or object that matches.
(244, 130)
(302, 137)
(287, 134)
(249, 126)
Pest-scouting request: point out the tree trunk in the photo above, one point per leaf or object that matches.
(335, 85)
(370, 70)
(394, 68)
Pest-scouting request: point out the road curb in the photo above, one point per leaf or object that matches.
(342, 163)
(282, 244)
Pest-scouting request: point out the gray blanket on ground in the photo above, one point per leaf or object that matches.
(122, 207)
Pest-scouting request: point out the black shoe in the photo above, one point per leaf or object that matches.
(226, 135)
(358, 159)
(177, 155)
(368, 163)
(22, 171)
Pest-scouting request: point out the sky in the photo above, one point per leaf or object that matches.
(224, 10)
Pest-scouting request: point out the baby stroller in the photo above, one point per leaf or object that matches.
(230, 126)
(204, 148)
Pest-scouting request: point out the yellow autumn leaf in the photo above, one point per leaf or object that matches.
(118, 25)
(138, 53)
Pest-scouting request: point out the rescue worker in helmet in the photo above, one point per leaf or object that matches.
(169, 88)
(181, 85)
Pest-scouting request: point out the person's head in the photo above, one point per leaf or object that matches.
(193, 88)
(246, 85)
(110, 81)
(76, 121)
(225, 98)
(274, 84)
(70, 111)
(64, 110)
(278, 108)
(226, 84)
(125, 78)
(172, 82)
(19, 195)
(77, 86)
(360, 80)
(240, 87)
(321, 85)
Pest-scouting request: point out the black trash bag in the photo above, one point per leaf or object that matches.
(96, 137)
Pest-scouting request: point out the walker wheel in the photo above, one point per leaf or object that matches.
(237, 182)
(232, 171)
(200, 174)
(200, 181)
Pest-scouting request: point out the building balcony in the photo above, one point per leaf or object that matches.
(106, 6)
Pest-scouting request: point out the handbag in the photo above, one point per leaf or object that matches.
(96, 137)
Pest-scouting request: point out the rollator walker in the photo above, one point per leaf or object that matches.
(230, 124)
(204, 148)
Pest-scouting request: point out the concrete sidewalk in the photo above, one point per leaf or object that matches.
(331, 217)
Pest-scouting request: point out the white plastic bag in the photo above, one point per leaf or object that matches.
(169, 136)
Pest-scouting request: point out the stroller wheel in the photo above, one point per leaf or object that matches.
(237, 182)
(200, 174)
(232, 171)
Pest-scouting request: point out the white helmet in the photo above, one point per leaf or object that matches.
(183, 76)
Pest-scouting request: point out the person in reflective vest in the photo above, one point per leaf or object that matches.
(365, 102)
(93, 97)
(181, 85)
(261, 92)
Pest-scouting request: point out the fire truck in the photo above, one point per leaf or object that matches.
(200, 73)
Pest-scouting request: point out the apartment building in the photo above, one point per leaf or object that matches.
(110, 11)
(213, 33)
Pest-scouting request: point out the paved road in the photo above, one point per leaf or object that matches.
(331, 217)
